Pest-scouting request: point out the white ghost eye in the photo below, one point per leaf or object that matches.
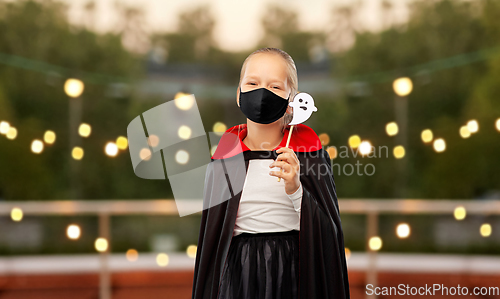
(300, 100)
(306, 103)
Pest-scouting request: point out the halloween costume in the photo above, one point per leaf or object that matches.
(322, 262)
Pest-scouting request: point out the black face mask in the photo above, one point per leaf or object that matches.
(262, 105)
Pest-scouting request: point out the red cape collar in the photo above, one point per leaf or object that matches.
(303, 139)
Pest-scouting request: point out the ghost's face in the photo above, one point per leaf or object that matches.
(303, 107)
(306, 104)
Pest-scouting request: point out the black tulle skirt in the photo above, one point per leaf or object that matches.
(262, 266)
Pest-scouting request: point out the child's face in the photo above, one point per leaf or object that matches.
(268, 71)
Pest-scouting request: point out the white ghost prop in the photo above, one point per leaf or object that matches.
(303, 107)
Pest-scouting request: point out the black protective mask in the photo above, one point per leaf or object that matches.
(262, 105)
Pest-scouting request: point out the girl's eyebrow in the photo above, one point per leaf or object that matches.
(274, 80)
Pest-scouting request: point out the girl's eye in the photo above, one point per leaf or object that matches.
(251, 83)
(276, 87)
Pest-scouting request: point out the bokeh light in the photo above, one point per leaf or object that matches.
(73, 87)
(4, 127)
(111, 149)
(191, 251)
(365, 148)
(153, 140)
(11, 133)
(16, 214)
(324, 138)
(332, 152)
(439, 145)
(375, 243)
(77, 153)
(184, 101)
(354, 141)
(145, 154)
(184, 132)
(427, 135)
(49, 137)
(37, 146)
(219, 127)
(101, 244)
(122, 142)
(84, 130)
(132, 255)
(459, 213)
(485, 230)
(162, 259)
(402, 86)
(464, 132)
(347, 253)
(399, 152)
(73, 231)
(403, 230)
(391, 128)
(182, 157)
(473, 126)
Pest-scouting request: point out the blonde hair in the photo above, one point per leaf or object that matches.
(292, 78)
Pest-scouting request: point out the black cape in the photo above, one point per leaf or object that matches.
(322, 261)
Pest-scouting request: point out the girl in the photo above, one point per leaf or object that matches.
(274, 239)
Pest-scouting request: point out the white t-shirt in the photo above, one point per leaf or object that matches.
(264, 204)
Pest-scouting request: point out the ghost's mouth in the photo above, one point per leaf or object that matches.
(303, 107)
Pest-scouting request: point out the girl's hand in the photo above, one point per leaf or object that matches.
(288, 161)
